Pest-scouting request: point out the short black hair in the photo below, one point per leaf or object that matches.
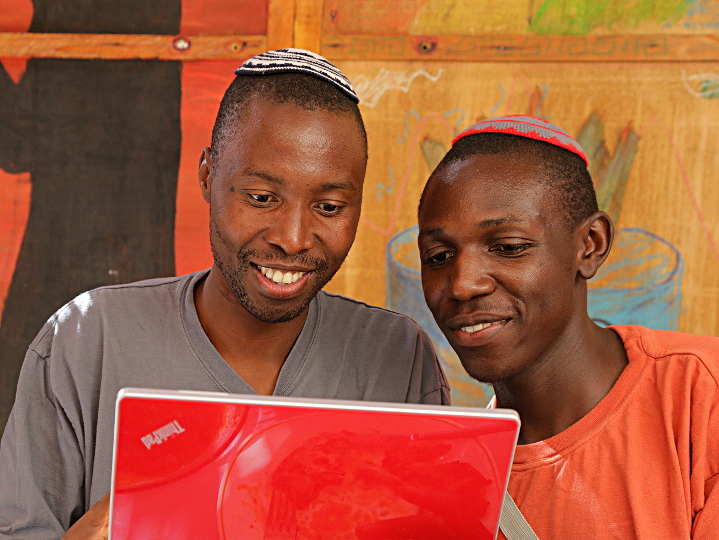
(300, 89)
(564, 171)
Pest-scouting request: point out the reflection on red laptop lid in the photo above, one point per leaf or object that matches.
(164, 455)
(219, 466)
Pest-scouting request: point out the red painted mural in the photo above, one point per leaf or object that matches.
(203, 84)
(15, 16)
(98, 158)
(223, 17)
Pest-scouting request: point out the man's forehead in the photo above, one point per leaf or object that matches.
(282, 143)
(482, 183)
(262, 115)
(513, 170)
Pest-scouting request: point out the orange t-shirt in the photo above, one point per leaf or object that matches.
(643, 463)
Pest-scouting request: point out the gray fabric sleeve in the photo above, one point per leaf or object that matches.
(41, 463)
(434, 388)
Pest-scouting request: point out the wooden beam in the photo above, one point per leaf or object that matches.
(306, 29)
(280, 24)
(130, 46)
(521, 48)
(308, 24)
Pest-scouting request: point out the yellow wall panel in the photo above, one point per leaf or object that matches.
(656, 128)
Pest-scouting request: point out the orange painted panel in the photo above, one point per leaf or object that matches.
(210, 17)
(203, 84)
(223, 17)
(15, 15)
(15, 189)
(15, 192)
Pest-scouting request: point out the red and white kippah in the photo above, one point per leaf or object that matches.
(528, 127)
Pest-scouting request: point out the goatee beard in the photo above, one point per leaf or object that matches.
(235, 273)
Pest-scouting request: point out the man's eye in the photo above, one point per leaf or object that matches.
(329, 209)
(439, 258)
(260, 198)
(509, 249)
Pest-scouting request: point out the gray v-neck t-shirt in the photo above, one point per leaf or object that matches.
(56, 452)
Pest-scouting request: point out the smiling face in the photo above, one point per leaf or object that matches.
(285, 196)
(499, 265)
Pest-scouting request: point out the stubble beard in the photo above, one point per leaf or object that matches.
(240, 267)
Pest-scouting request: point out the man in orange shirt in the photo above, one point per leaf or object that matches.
(620, 425)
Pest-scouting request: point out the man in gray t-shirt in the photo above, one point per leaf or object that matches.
(283, 179)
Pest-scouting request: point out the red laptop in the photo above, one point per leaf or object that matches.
(202, 465)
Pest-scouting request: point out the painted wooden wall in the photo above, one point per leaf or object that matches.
(638, 86)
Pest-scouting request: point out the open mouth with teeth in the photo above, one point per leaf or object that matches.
(481, 326)
(280, 277)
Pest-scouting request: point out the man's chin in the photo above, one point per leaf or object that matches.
(275, 318)
(483, 371)
(277, 314)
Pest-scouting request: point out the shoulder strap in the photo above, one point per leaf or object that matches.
(512, 522)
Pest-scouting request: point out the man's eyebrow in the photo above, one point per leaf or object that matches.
(265, 176)
(330, 186)
(484, 224)
(431, 232)
(496, 222)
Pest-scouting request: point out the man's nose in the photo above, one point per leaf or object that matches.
(470, 277)
(292, 230)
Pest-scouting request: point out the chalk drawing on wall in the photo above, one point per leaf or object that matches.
(610, 172)
(404, 294)
(702, 14)
(563, 17)
(538, 17)
(371, 90)
(583, 16)
(640, 283)
(396, 190)
(702, 85)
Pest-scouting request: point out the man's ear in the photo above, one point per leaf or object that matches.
(204, 173)
(594, 241)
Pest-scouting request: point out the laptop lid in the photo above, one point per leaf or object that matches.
(221, 466)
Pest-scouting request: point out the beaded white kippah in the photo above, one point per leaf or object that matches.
(297, 61)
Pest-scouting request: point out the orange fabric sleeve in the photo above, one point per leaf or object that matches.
(644, 463)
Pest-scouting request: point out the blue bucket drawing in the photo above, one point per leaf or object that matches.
(404, 294)
(639, 284)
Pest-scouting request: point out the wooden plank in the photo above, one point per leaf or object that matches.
(625, 48)
(280, 24)
(518, 48)
(308, 24)
(129, 46)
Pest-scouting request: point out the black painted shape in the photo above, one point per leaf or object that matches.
(101, 140)
(107, 16)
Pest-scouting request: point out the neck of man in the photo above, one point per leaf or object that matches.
(254, 349)
(569, 380)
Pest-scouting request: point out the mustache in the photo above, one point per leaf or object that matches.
(300, 259)
(479, 304)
